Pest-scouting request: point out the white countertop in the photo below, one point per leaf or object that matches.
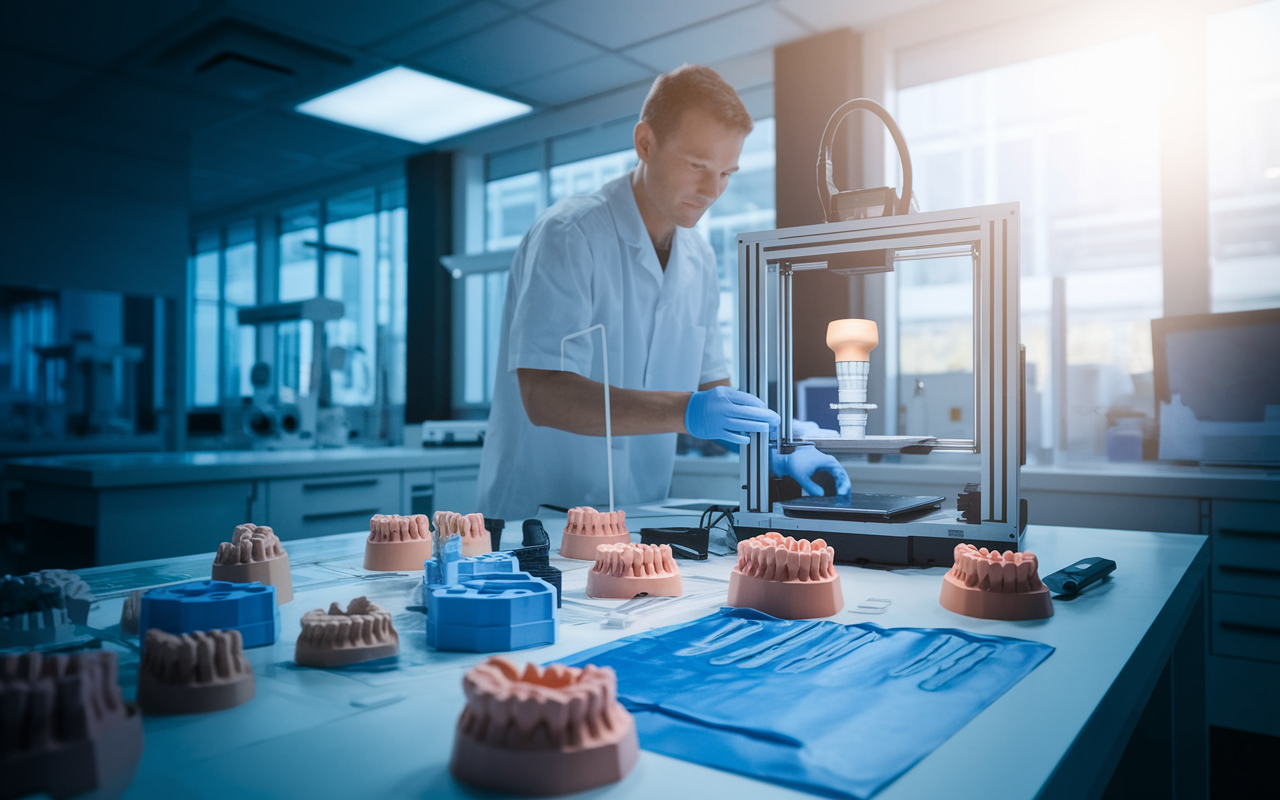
(350, 733)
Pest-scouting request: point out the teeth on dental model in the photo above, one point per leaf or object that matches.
(194, 659)
(773, 557)
(42, 607)
(254, 554)
(193, 673)
(360, 633)
(542, 731)
(395, 528)
(993, 585)
(634, 560)
(992, 571)
(586, 521)
(64, 728)
(470, 527)
(131, 613)
(249, 543)
(540, 708)
(52, 701)
(625, 570)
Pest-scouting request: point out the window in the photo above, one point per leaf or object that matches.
(512, 204)
(1074, 138)
(1244, 157)
(588, 175)
(349, 248)
(204, 319)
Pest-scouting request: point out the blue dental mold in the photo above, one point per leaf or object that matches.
(213, 605)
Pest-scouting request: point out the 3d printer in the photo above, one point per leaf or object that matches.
(880, 528)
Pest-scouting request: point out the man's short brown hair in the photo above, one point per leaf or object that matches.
(693, 86)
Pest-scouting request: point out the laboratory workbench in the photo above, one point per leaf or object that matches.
(1130, 648)
(90, 509)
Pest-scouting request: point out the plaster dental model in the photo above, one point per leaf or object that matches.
(42, 607)
(537, 731)
(361, 633)
(624, 571)
(588, 528)
(397, 544)
(131, 613)
(985, 584)
(475, 537)
(852, 340)
(254, 554)
(785, 577)
(66, 729)
(193, 673)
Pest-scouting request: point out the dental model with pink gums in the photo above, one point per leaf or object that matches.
(193, 673)
(254, 554)
(397, 544)
(66, 729)
(542, 731)
(475, 537)
(588, 528)
(986, 584)
(361, 633)
(624, 571)
(786, 578)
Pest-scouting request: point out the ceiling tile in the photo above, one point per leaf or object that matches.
(521, 4)
(236, 158)
(507, 52)
(599, 74)
(616, 25)
(294, 133)
(373, 154)
(825, 15)
(748, 71)
(450, 25)
(35, 81)
(88, 33)
(719, 40)
(136, 105)
(351, 23)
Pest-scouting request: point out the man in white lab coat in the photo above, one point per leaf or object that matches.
(627, 258)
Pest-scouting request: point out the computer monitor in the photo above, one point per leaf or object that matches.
(1217, 387)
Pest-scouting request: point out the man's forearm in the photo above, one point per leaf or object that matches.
(570, 402)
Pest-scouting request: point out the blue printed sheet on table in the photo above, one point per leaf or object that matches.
(840, 710)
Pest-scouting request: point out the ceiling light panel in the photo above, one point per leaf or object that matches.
(412, 105)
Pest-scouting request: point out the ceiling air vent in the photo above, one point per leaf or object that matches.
(234, 58)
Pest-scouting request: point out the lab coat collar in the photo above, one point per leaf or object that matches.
(631, 229)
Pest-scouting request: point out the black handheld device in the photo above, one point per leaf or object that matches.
(1070, 580)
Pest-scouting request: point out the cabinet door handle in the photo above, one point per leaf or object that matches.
(1249, 534)
(1242, 627)
(1249, 570)
(315, 487)
(362, 512)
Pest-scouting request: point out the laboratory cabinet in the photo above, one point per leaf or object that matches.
(85, 510)
(1244, 610)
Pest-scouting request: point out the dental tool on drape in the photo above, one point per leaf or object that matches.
(608, 417)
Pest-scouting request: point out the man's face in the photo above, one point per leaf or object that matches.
(688, 169)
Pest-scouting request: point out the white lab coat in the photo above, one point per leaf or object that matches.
(587, 260)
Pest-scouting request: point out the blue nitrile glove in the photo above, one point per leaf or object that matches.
(806, 461)
(727, 414)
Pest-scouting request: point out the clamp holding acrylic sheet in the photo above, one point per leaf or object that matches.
(745, 692)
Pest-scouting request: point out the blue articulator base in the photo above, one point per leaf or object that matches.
(213, 605)
(492, 615)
